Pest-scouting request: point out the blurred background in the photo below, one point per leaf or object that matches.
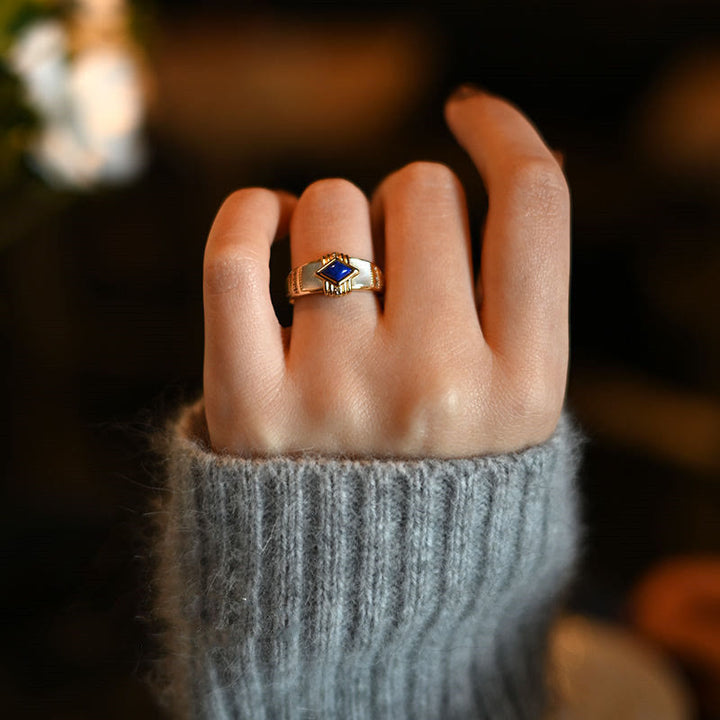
(124, 125)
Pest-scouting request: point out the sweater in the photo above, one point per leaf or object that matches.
(304, 587)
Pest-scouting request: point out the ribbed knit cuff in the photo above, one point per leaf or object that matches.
(316, 587)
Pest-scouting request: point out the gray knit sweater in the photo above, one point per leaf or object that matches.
(324, 587)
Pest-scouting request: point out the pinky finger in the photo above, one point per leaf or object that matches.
(244, 348)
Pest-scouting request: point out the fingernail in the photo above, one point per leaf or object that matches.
(466, 90)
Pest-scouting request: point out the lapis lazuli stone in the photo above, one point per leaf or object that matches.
(336, 271)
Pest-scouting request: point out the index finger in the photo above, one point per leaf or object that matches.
(525, 263)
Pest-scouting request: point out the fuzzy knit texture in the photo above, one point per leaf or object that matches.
(310, 587)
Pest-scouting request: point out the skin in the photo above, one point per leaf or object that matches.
(445, 365)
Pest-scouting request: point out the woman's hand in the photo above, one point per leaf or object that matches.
(445, 366)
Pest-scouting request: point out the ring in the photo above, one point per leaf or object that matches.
(334, 274)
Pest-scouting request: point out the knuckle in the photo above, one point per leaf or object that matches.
(332, 188)
(424, 417)
(228, 269)
(540, 187)
(236, 424)
(534, 404)
(335, 411)
(445, 400)
(231, 236)
(426, 173)
(244, 196)
(261, 435)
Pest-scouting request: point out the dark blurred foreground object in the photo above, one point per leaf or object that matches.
(600, 670)
(676, 605)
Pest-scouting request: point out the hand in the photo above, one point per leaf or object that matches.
(445, 366)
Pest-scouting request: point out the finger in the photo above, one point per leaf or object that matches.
(332, 215)
(423, 214)
(559, 155)
(244, 354)
(377, 227)
(525, 261)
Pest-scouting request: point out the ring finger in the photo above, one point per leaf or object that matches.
(331, 216)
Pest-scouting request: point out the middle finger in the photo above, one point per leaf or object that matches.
(428, 252)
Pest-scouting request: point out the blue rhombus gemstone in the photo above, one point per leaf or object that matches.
(336, 271)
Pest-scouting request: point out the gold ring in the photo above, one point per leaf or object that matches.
(334, 274)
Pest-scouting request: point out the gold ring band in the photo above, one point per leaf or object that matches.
(334, 274)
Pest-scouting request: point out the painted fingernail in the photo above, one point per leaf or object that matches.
(466, 90)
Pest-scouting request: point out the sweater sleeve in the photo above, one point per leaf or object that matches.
(301, 587)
